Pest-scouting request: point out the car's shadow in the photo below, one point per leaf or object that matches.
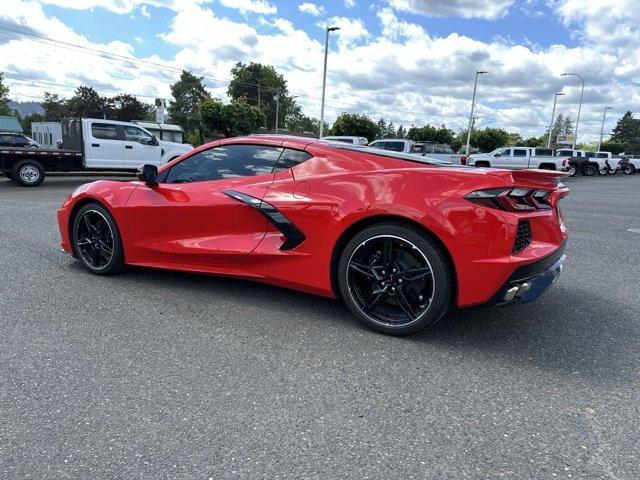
(561, 332)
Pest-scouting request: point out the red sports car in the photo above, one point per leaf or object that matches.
(401, 239)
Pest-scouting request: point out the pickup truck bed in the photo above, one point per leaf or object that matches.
(27, 166)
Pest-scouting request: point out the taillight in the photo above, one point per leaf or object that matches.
(512, 199)
(463, 160)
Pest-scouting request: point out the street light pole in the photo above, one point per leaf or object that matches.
(324, 75)
(277, 98)
(604, 115)
(473, 104)
(553, 114)
(575, 135)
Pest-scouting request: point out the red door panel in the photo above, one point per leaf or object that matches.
(196, 223)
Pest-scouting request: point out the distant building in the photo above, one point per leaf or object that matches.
(10, 124)
(46, 134)
(163, 131)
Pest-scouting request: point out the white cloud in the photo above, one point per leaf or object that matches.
(350, 3)
(312, 9)
(488, 9)
(144, 11)
(252, 6)
(404, 74)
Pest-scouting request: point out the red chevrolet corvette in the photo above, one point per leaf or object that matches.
(401, 239)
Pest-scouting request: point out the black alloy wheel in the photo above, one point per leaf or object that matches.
(395, 279)
(96, 240)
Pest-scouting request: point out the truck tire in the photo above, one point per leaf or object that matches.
(589, 171)
(482, 164)
(28, 173)
(547, 166)
(629, 170)
(572, 169)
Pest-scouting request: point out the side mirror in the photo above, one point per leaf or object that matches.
(148, 174)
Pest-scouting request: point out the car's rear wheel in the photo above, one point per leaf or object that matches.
(395, 279)
(629, 170)
(572, 170)
(96, 240)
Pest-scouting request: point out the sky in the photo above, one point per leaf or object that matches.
(412, 62)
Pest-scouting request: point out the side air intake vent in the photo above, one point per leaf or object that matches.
(523, 236)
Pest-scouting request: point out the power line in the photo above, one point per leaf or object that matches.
(119, 57)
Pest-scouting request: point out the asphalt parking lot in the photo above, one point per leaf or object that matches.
(152, 374)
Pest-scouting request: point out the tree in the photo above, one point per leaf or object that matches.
(352, 124)
(534, 142)
(489, 139)
(428, 133)
(86, 102)
(54, 108)
(26, 121)
(627, 132)
(615, 147)
(4, 98)
(391, 131)
(126, 107)
(187, 94)
(401, 133)
(514, 139)
(259, 85)
(230, 120)
(298, 122)
(382, 128)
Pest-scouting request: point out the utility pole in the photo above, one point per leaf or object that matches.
(277, 98)
(473, 105)
(575, 135)
(553, 114)
(604, 115)
(324, 75)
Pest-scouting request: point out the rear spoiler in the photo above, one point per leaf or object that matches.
(531, 177)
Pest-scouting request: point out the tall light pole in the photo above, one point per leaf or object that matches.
(575, 135)
(324, 75)
(604, 115)
(277, 99)
(473, 104)
(553, 114)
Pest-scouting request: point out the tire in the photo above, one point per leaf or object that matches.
(481, 165)
(572, 170)
(629, 170)
(376, 286)
(28, 173)
(96, 240)
(589, 171)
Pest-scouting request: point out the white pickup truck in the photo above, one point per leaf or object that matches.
(517, 158)
(89, 144)
(439, 151)
(589, 163)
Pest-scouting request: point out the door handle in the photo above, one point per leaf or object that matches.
(95, 144)
(129, 147)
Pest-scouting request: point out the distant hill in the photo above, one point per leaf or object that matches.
(26, 108)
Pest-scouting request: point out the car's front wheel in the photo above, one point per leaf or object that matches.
(395, 279)
(96, 240)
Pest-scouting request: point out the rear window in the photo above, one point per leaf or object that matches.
(104, 131)
(543, 152)
(395, 146)
(518, 152)
(290, 158)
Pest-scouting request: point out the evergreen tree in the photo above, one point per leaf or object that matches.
(54, 108)
(187, 94)
(627, 133)
(391, 131)
(401, 133)
(382, 128)
(4, 99)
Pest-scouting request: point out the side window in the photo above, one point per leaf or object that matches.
(228, 161)
(377, 145)
(104, 131)
(290, 158)
(517, 152)
(504, 153)
(395, 146)
(134, 134)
